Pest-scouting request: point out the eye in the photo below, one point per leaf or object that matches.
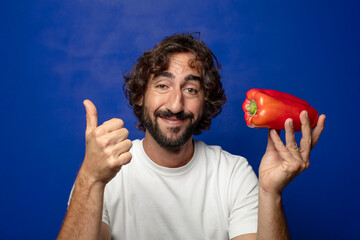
(161, 86)
(191, 91)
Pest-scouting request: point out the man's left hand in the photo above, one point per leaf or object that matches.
(282, 163)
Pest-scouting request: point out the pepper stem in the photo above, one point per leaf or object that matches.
(252, 108)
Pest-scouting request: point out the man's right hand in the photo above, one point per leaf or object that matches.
(107, 147)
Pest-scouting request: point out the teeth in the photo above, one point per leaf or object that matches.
(172, 118)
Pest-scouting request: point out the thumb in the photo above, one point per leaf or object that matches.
(91, 115)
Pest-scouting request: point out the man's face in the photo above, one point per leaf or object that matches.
(173, 102)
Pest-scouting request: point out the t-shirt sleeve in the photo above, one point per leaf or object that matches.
(70, 196)
(242, 200)
(105, 213)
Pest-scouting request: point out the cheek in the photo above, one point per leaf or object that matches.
(196, 107)
(153, 101)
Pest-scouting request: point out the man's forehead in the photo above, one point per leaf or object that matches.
(180, 62)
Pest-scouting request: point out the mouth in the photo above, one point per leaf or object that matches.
(172, 120)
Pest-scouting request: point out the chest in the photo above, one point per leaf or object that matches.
(146, 204)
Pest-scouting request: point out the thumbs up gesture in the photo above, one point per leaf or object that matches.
(107, 147)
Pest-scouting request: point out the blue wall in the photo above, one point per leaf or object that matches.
(54, 54)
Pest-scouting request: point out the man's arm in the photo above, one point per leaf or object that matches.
(279, 166)
(271, 219)
(107, 149)
(83, 218)
(105, 232)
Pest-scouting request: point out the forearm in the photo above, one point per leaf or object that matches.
(84, 215)
(271, 218)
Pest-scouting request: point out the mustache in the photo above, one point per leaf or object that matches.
(168, 114)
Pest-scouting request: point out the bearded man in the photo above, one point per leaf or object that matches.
(167, 185)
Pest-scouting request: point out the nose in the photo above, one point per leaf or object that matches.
(175, 101)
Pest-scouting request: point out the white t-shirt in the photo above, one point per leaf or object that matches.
(214, 196)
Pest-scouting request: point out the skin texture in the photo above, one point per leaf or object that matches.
(107, 150)
(279, 166)
(177, 92)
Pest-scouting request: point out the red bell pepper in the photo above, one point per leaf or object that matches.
(266, 108)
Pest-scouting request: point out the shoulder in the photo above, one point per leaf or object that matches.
(217, 154)
(230, 167)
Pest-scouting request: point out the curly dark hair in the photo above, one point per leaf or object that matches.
(157, 60)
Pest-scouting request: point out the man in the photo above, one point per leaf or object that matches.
(175, 187)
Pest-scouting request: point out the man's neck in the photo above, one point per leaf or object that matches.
(165, 157)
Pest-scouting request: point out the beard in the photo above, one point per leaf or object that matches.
(179, 139)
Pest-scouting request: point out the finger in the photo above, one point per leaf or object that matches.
(270, 145)
(91, 115)
(318, 130)
(112, 125)
(122, 147)
(279, 145)
(125, 158)
(290, 140)
(117, 136)
(305, 142)
(122, 154)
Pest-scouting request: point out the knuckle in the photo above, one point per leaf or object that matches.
(126, 158)
(284, 149)
(125, 145)
(125, 132)
(299, 166)
(306, 164)
(108, 152)
(114, 164)
(128, 143)
(296, 166)
(98, 132)
(308, 140)
(104, 142)
(292, 146)
(302, 166)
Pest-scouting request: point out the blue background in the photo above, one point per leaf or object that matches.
(56, 53)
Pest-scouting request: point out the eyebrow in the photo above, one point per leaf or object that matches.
(193, 78)
(189, 77)
(163, 74)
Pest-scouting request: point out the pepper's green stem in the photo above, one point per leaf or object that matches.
(252, 108)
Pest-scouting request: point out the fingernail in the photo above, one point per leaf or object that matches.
(307, 115)
(291, 123)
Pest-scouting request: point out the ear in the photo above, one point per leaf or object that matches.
(140, 101)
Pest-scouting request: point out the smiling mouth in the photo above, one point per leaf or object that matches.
(172, 120)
